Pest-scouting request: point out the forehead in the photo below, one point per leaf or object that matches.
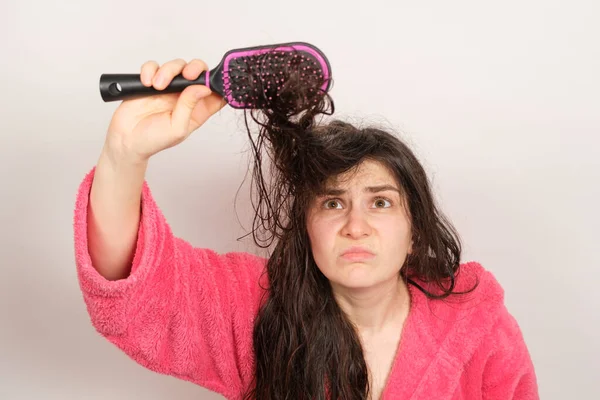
(367, 173)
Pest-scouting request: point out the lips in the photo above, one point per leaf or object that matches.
(357, 253)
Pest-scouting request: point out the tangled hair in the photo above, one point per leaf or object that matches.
(305, 345)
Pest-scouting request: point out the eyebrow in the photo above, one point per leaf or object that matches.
(368, 189)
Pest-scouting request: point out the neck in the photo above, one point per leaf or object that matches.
(377, 308)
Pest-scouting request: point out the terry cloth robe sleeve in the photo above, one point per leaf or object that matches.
(182, 311)
(509, 372)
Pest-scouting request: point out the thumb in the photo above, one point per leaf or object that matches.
(187, 101)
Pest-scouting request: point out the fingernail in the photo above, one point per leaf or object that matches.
(158, 80)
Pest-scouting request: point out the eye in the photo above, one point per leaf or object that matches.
(382, 203)
(332, 204)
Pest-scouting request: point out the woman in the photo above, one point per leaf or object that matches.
(363, 297)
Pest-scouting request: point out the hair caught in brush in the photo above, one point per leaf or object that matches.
(292, 102)
(305, 346)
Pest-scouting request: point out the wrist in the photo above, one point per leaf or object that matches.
(120, 158)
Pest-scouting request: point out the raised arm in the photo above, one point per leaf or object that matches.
(175, 309)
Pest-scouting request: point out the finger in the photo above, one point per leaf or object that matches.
(212, 104)
(147, 72)
(166, 72)
(182, 112)
(194, 68)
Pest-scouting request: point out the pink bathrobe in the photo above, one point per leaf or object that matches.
(188, 312)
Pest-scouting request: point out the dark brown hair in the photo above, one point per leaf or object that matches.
(305, 345)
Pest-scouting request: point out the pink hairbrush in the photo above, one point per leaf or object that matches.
(246, 77)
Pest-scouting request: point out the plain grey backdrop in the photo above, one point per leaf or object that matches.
(500, 100)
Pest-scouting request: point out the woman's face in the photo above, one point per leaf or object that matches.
(360, 231)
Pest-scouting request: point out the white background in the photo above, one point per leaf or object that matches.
(500, 100)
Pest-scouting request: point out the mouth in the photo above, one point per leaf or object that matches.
(357, 253)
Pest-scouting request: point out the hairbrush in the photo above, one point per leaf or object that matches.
(248, 77)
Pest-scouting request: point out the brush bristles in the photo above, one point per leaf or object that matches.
(273, 79)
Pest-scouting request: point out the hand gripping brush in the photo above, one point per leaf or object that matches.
(246, 77)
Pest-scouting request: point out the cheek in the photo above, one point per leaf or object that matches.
(320, 233)
(322, 240)
(395, 234)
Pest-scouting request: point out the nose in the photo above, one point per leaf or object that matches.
(356, 225)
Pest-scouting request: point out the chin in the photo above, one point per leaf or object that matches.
(357, 275)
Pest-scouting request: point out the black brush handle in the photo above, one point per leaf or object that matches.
(114, 87)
